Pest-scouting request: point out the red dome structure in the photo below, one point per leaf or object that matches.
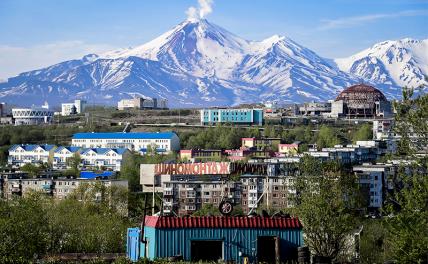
(363, 101)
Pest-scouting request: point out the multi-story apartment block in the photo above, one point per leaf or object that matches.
(20, 155)
(376, 180)
(160, 141)
(59, 188)
(232, 116)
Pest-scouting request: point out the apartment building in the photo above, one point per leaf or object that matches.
(376, 181)
(242, 116)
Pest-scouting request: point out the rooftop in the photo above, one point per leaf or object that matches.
(223, 222)
(121, 135)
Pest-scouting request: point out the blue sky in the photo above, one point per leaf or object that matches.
(37, 33)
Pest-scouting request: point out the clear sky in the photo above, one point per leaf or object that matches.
(37, 33)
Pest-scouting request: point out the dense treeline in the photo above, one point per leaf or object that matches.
(36, 225)
(226, 137)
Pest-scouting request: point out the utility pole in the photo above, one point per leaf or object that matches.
(153, 196)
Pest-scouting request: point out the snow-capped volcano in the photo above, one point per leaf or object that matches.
(194, 64)
(397, 63)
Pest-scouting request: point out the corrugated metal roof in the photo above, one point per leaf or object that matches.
(121, 135)
(222, 222)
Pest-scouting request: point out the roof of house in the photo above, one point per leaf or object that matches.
(31, 147)
(223, 222)
(121, 135)
(71, 149)
(93, 175)
(104, 150)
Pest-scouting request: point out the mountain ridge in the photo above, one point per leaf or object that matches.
(195, 64)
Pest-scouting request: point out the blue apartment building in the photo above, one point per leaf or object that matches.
(237, 116)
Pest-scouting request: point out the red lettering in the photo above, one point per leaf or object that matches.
(180, 168)
(203, 169)
(196, 169)
(224, 168)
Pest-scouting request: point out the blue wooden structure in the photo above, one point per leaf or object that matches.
(266, 239)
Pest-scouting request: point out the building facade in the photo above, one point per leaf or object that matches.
(162, 142)
(77, 107)
(261, 143)
(232, 116)
(32, 116)
(376, 181)
(20, 155)
(140, 103)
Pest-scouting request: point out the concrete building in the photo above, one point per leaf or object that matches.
(383, 129)
(20, 155)
(162, 142)
(315, 109)
(32, 116)
(376, 180)
(361, 101)
(140, 103)
(59, 188)
(77, 107)
(232, 116)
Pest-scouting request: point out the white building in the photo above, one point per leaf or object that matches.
(107, 158)
(383, 129)
(164, 142)
(142, 103)
(32, 116)
(376, 179)
(62, 156)
(77, 107)
(20, 155)
(103, 158)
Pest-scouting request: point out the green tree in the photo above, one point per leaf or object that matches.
(321, 205)
(408, 227)
(31, 169)
(365, 132)
(74, 163)
(327, 137)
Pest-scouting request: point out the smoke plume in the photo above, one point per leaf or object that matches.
(204, 8)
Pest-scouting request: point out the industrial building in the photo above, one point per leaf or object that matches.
(361, 101)
(77, 107)
(228, 239)
(162, 142)
(32, 116)
(232, 116)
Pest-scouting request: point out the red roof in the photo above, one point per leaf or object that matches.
(222, 222)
